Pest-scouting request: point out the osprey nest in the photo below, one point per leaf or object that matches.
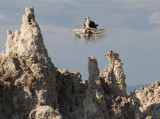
(88, 34)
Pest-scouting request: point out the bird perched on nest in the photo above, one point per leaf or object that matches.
(89, 24)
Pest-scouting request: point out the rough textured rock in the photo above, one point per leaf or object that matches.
(71, 92)
(27, 74)
(44, 112)
(149, 101)
(113, 75)
(32, 88)
(95, 105)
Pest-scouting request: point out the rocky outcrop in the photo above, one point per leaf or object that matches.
(148, 99)
(113, 75)
(44, 112)
(105, 96)
(27, 74)
(95, 105)
(31, 87)
(71, 92)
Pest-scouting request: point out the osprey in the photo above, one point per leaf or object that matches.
(89, 24)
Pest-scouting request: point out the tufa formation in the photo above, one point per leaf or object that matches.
(31, 87)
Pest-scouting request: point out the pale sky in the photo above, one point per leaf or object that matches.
(133, 30)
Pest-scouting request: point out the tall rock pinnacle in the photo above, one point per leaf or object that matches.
(28, 40)
(93, 71)
(114, 75)
(28, 72)
(95, 105)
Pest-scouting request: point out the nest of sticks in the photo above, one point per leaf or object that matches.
(88, 34)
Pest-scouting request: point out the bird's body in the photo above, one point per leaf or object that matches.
(89, 24)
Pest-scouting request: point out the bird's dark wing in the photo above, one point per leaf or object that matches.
(92, 24)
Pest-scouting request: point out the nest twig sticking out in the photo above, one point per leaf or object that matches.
(88, 34)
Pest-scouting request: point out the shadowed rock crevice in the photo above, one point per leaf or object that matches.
(71, 90)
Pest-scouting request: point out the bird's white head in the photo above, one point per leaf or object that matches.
(87, 19)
